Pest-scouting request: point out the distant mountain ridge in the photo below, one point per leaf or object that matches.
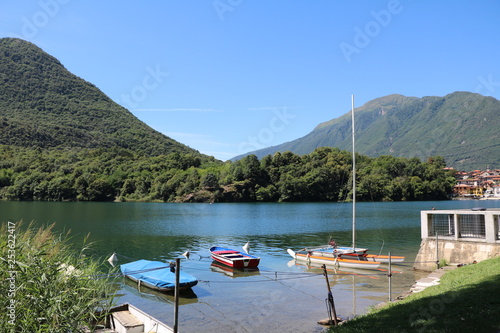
(43, 105)
(462, 127)
(62, 139)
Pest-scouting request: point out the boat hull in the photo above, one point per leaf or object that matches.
(128, 318)
(349, 253)
(380, 258)
(156, 275)
(232, 271)
(233, 258)
(152, 286)
(357, 262)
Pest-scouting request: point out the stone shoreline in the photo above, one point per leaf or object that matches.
(432, 279)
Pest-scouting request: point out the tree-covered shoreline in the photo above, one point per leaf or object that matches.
(118, 174)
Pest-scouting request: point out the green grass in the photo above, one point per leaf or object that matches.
(466, 300)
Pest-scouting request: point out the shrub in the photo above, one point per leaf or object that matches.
(46, 285)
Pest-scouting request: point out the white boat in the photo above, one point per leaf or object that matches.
(126, 318)
(352, 256)
(332, 259)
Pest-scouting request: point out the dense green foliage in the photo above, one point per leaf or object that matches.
(48, 286)
(120, 174)
(461, 127)
(466, 300)
(61, 138)
(43, 105)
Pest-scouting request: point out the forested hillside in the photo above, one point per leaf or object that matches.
(107, 174)
(44, 105)
(462, 127)
(63, 139)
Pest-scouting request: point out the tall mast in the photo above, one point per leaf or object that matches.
(353, 182)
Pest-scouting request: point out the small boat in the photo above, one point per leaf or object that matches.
(156, 275)
(332, 259)
(186, 296)
(234, 258)
(128, 318)
(350, 253)
(352, 256)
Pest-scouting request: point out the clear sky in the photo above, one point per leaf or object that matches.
(230, 76)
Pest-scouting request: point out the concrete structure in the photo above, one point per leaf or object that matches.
(463, 236)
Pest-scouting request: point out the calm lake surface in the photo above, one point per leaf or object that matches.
(281, 296)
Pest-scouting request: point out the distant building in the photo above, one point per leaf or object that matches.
(496, 191)
(462, 190)
(478, 184)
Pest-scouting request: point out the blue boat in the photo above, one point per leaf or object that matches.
(156, 275)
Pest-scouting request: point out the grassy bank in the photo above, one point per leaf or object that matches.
(46, 285)
(466, 300)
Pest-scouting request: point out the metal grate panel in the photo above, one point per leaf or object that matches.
(442, 225)
(472, 226)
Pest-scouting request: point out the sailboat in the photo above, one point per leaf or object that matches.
(352, 256)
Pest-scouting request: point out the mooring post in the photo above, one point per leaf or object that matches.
(437, 251)
(390, 278)
(330, 296)
(176, 296)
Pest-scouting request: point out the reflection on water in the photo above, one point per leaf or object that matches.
(281, 296)
(234, 272)
(186, 296)
(365, 285)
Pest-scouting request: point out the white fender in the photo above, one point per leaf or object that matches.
(246, 248)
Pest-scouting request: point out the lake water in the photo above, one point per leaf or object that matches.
(281, 296)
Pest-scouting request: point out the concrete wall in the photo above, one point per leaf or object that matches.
(453, 251)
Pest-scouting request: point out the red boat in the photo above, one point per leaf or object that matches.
(234, 258)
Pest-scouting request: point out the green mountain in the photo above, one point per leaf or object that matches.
(43, 105)
(62, 139)
(462, 127)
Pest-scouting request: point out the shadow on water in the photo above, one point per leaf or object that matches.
(187, 296)
(234, 272)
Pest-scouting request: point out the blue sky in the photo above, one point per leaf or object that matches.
(230, 76)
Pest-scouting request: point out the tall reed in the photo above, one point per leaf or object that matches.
(45, 284)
